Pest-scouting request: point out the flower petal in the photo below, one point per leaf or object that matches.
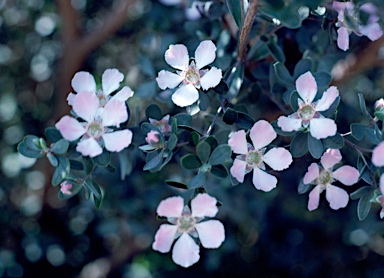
(70, 128)
(211, 233)
(311, 174)
(124, 94)
(346, 174)
(166, 79)
(378, 155)
(118, 140)
(327, 99)
(337, 197)
(263, 180)
(278, 158)
(71, 98)
(238, 142)
(111, 80)
(343, 38)
(86, 105)
(262, 134)
(330, 158)
(373, 31)
(238, 169)
(205, 54)
(89, 147)
(177, 56)
(321, 128)
(381, 184)
(288, 124)
(306, 87)
(185, 252)
(114, 113)
(314, 198)
(211, 78)
(185, 95)
(164, 238)
(171, 207)
(204, 205)
(83, 81)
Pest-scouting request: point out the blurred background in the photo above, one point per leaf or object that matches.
(43, 43)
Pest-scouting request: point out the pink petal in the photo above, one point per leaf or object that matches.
(238, 142)
(177, 56)
(70, 128)
(86, 105)
(382, 184)
(83, 81)
(122, 95)
(204, 205)
(164, 238)
(262, 134)
(118, 140)
(378, 155)
(306, 87)
(205, 54)
(115, 113)
(329, 96)
(211, 233)
(321, 128)
(369, 8)
(111, 80)
(339, 6)
(288, 124)
(89, 147)
(263, 180)
(185, 252)
(337, 197)
(71, 98)
(171, 207)
(238, 169)
(343, 38)
(167, 79)
(278, 159)
(314, 198)
(347, 175)
(194, 12)
(311, 174)
(185, 95)
(211, 78)
(373, 31)
(330, 158)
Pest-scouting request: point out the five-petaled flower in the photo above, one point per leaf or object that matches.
(190, 73)
(308, 115)
(95, 131)
(323, 176)
(254, 157)
(110, 81)
(188, 224)
(349, 21)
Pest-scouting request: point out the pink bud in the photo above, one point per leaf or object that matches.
(153, 137)
(379, 104)
(66, 188)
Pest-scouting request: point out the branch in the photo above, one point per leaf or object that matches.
(244, 33)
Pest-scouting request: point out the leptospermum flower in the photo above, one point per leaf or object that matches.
(110, 81)
(190, 75)
(308, 115)
(95, 131)
(323, 177)
(349, 21)
(378, 161)
(186, 225)
(254, 157)
(163, 124)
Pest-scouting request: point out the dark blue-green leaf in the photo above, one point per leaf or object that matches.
(203, 151)
(220, 155)
(299, 144)
(197, 181)
(190, 162)
(315, 147)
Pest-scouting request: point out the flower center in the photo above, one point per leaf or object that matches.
(95, 130)
(254, 158)
(307, 112)
(325, 178)
(186, 223)
(192, 75)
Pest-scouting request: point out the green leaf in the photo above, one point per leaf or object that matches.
(194, 139)
(183, 119)
(97, 201)
(363, 107)
(197, 181)
(358, 131)
(234, 8)
(315, 147)
(76, 165)
(103, 159)
(60, 147)
(28, 152)
(219, 171)
(33, 142)
(373, 135)
(366, 170)
(303, 188)
(244, 120)
(62, 170)
(204, 101)
(299, 144)
(212, 141)
(361, 192)
(53, 134)
(234, 79)
(88, 164)
(172, 142)
(190, 162)
(294, 101)
(153, 111)
(276, 51)
(220, 155)
(154, 160)
(323, 79)
(203, 151)
(332, 109)
(364, 205)
(302, 67)
(230, 116)
(222, 88)
(176, 184)
(283, 74)
(93, 187)
(333, 142)
(52, 159)
(380, 114)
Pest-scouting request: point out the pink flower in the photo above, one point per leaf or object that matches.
(323, 176)
(65, 188)
(162, 125)
(378, 155)
(186, 226)
(380, 199)
(191, 13)
(349, 21)
(110, 81)
(253, 157)
(379, 104)
(94, 132)
(189, 74)
(308, 115)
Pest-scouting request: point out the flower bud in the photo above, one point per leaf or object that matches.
(66, 188)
